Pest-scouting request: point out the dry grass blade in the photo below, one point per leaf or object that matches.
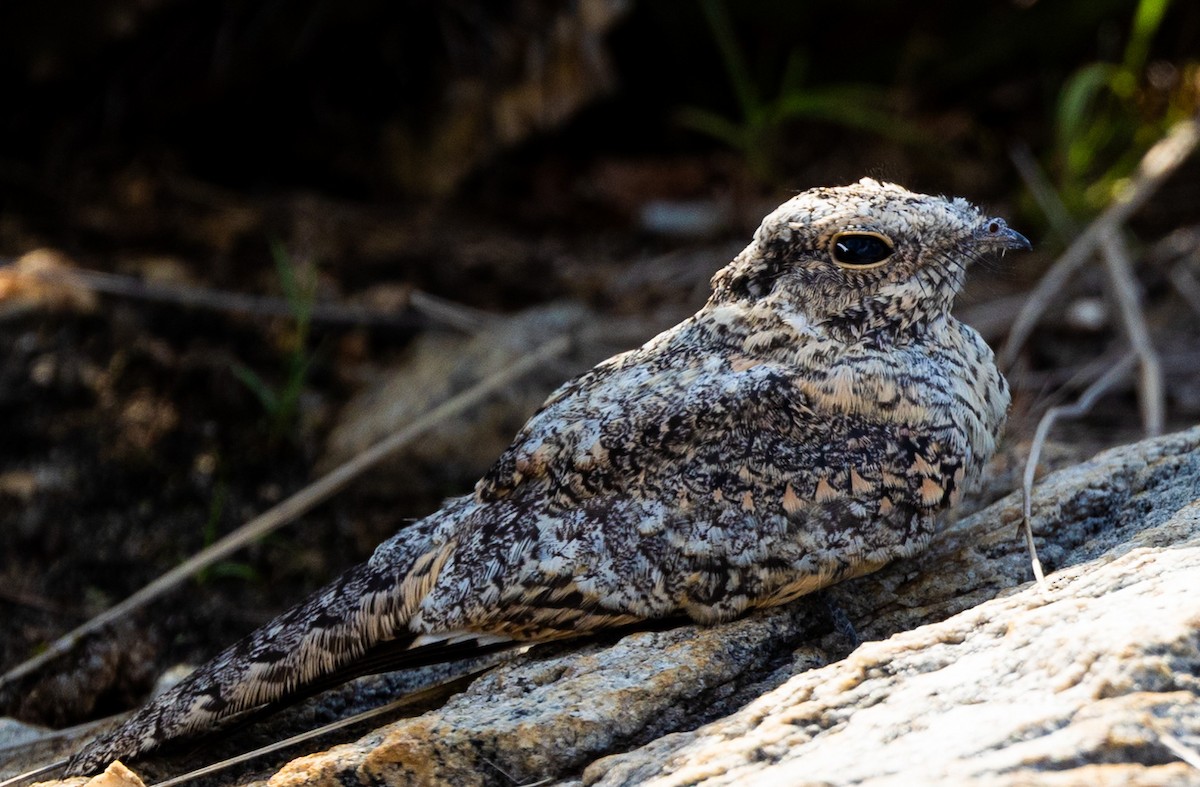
(1123, 283)
(1155, 167)
(297, 504)
(39, 603)
(1151, 395)
(1079, 408)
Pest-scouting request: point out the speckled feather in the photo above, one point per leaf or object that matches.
(807, 425)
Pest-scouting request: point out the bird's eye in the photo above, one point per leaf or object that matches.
(860, 250)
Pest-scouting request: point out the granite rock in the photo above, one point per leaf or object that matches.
(969, 674)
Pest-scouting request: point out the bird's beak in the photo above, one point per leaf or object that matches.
(995, 233)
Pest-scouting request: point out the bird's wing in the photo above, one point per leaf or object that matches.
(609, 434)
(607, 431)
(542, 546)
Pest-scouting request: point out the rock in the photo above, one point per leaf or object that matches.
(1075, 685)
(116, 775)
(971, 674)
(14, 733)
(548, 716)
(115, 668)
(543, 64)
(977, 675)
(43, 279)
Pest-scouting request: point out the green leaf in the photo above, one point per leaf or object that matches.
(257, 386)
(731, 55)
(1146, 21)
(1076, 100)
(228, 569)
(714, 125)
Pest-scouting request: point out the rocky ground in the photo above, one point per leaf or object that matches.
(968, 672)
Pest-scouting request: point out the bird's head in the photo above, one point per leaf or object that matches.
(863, 257)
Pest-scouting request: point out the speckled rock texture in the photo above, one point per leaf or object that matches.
(554, 715)
(976, 675)
(969, 673)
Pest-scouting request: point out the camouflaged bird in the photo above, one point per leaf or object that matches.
(807, 425)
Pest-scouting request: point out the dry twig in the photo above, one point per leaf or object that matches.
(1155, 167)
(417, 698)
(991, 318)
(41, 770)
(1079, 408)
(66, 733)
(430, 308)
(295, 505)
(1063, 379)
(1119, 268)
(1125, 289)
(1180, 750)
(1185, 284)
(40, 603)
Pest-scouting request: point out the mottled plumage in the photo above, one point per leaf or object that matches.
(807, 425)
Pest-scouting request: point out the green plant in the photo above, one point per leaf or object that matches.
(755, 133)
(224, 568)
(282, 403)
(1109, 114)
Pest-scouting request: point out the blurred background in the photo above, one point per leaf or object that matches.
(241, 241)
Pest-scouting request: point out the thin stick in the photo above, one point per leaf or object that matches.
(1185, 284)
(37, 602)
(1125, 288)
(436, 310)
(1119, 268)
(41, 770)
(1177, 747)
(1066, 378)
(1156, 166)
(991, 318)
(500, 770)
(408, 700)
(65, 733)
(449, 313)
(1079, 408)
(297, 504)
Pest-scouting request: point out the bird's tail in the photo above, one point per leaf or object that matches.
(323, 637)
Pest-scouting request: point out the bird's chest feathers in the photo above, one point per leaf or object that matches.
(933, 379)
(878, 386)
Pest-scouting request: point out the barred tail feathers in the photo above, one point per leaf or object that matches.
(325, 634)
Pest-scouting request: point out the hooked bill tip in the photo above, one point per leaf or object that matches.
(995, 232)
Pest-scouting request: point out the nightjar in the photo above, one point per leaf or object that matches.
(807, 425)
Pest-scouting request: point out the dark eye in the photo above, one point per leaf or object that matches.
(860, 249)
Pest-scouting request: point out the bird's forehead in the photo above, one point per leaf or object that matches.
(869, 204)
